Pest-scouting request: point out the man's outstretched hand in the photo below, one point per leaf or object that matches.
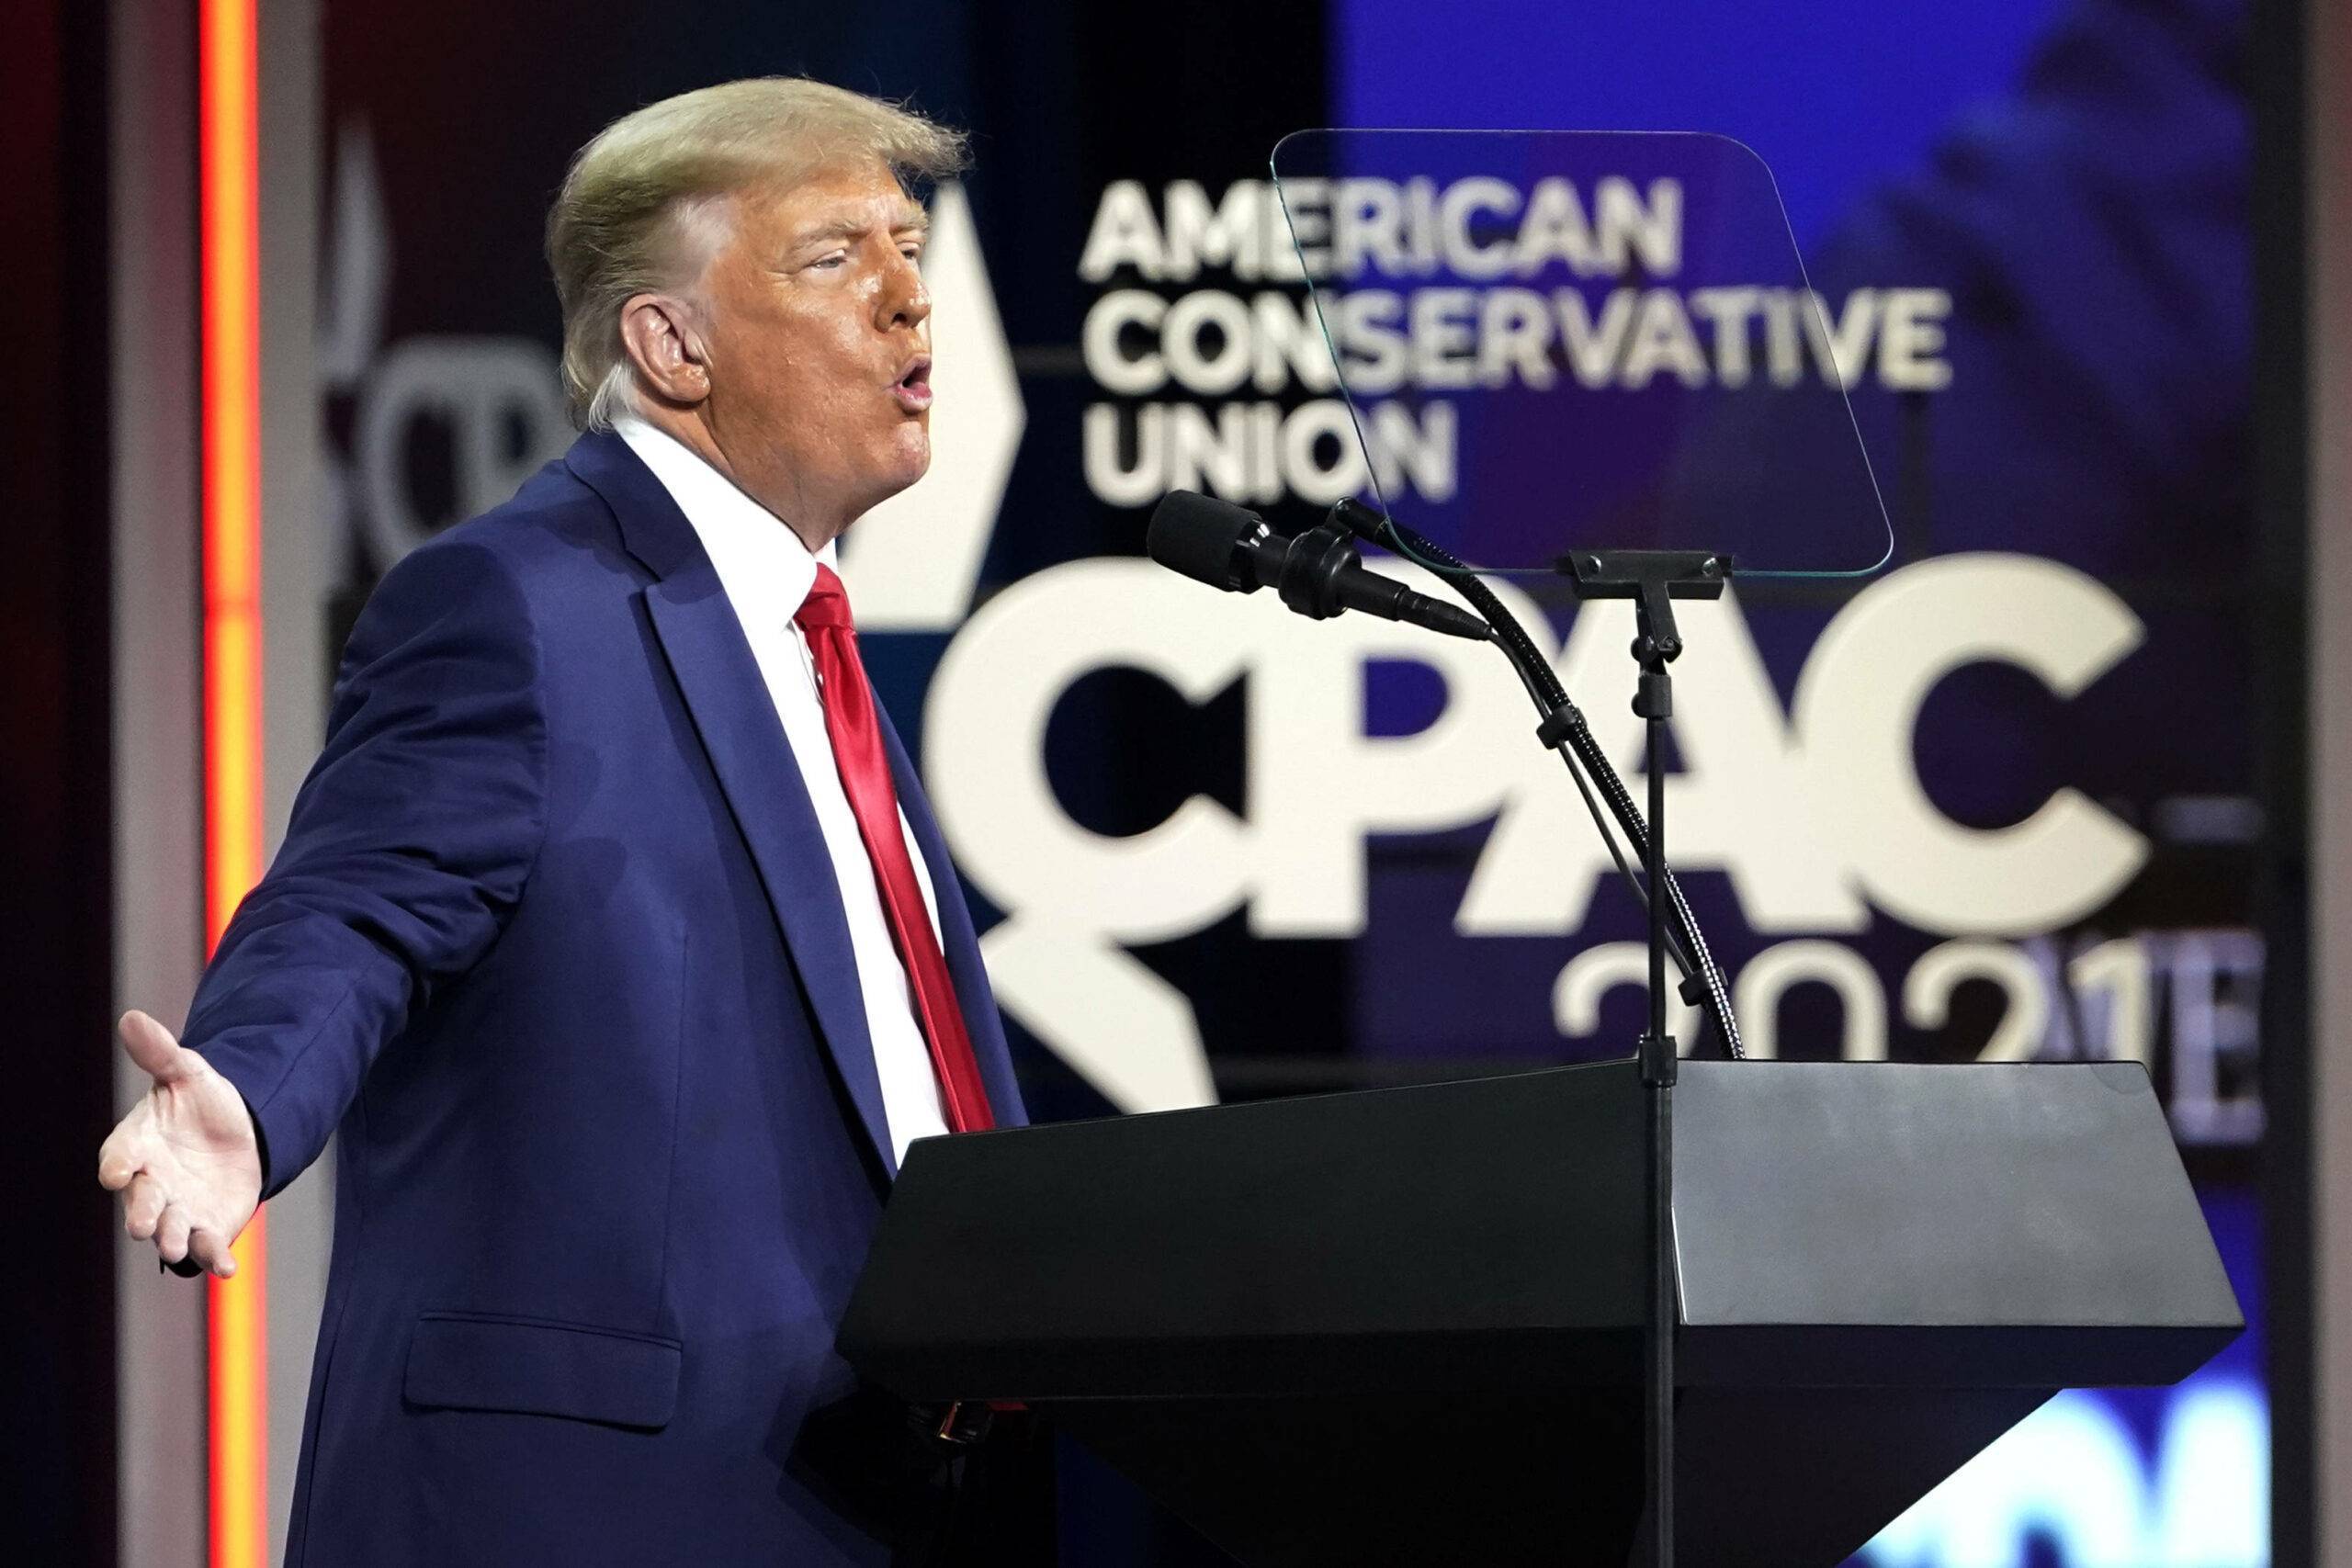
(184, 1160)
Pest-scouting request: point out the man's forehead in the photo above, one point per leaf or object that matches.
(848, 203)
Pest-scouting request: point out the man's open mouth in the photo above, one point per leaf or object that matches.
(913, 387)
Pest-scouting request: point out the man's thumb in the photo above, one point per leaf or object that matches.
(154, 1050)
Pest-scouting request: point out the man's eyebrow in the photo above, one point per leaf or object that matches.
(913, 218)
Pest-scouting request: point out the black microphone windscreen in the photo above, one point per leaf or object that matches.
(1197, 534)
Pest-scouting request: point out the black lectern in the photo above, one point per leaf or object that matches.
(1404, 1325)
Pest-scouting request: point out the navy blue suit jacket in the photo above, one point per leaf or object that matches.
(554, 941)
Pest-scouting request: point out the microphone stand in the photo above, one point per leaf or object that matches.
(1653, 579)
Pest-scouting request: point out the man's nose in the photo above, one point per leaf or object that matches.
(904, 302)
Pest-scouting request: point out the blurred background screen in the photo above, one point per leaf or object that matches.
(2028, 223)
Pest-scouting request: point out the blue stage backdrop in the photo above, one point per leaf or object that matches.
(1995, 802)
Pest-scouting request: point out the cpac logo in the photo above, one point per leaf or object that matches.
(1816, 813)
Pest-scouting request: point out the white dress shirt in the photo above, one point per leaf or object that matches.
(767, 573)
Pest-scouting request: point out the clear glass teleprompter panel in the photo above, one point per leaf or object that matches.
(1552, 340)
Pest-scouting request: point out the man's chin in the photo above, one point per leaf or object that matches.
(901, 474)
(911, 455)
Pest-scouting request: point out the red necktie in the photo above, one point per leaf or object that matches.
(856, 733)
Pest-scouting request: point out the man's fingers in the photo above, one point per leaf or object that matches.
(142, 1206)
(171, 1234)
(118, 1160)
(208, 1249)
(154, 1050)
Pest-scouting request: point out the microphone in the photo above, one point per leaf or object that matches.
(1318, 573)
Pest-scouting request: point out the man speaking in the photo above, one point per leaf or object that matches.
(611, 927)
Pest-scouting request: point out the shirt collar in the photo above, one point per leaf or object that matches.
(761, 563)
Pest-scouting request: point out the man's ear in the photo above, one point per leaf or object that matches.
(672, 358)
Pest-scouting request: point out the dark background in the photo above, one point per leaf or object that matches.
(57, 1464)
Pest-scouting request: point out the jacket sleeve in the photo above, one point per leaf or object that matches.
(409, 845)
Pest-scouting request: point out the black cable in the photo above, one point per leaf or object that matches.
(1576, 747)
(1575, 776)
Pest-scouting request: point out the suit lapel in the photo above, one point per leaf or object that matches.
(736, 718)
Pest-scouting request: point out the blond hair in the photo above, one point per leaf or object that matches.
(625, 222)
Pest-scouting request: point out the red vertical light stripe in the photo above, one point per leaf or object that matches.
(231, 243)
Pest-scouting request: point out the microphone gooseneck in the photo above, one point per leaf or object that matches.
(1320, 573)
(1565, 729)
